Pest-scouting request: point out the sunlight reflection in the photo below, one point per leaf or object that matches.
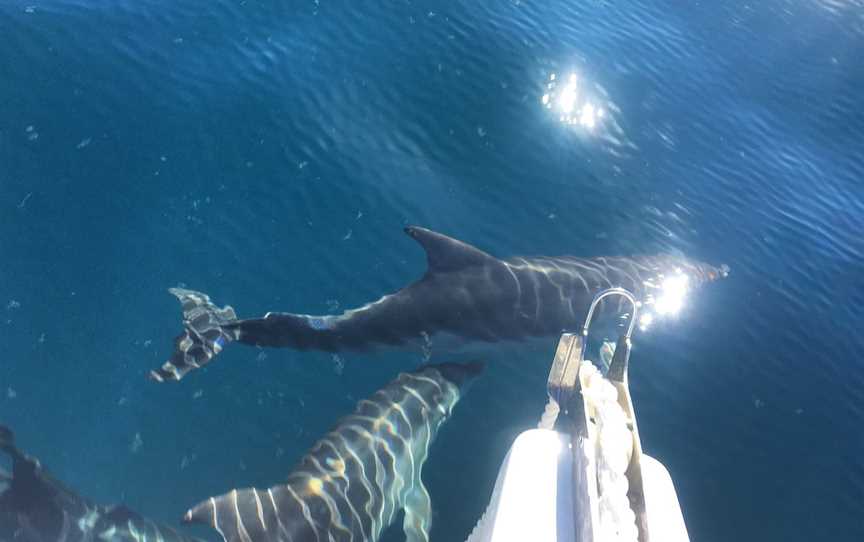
(571, 102)
(672, 295)
(665, 299)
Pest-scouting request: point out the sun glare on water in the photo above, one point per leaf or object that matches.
(571, 102)
(672, 295)
(667, 299)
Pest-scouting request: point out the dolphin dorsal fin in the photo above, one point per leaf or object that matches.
(7, 439)
(445, 253)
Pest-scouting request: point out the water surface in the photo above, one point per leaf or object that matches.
(269, 153)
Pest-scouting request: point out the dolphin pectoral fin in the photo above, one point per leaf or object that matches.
(244, 515)
(445, 253)
(418, 514)
(221, 514)
(203, 337)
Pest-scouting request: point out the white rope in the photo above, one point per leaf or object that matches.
(614, 448)
(550, 415)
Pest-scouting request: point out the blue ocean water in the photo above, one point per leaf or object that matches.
(269, 153)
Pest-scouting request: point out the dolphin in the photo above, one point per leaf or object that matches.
(35, 507)
(465, 292)
(353, 482)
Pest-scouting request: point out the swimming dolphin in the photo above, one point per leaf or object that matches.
(353, 482)
(465, 292)
(35, 507)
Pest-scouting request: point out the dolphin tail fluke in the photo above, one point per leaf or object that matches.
(203, 337)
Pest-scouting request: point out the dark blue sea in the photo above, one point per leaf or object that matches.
(270, 153)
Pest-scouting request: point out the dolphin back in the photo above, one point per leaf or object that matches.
(353, 482)
(36, 507)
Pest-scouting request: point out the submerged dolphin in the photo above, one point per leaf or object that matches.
(35, 507)
(465, 292)
(353, 482)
